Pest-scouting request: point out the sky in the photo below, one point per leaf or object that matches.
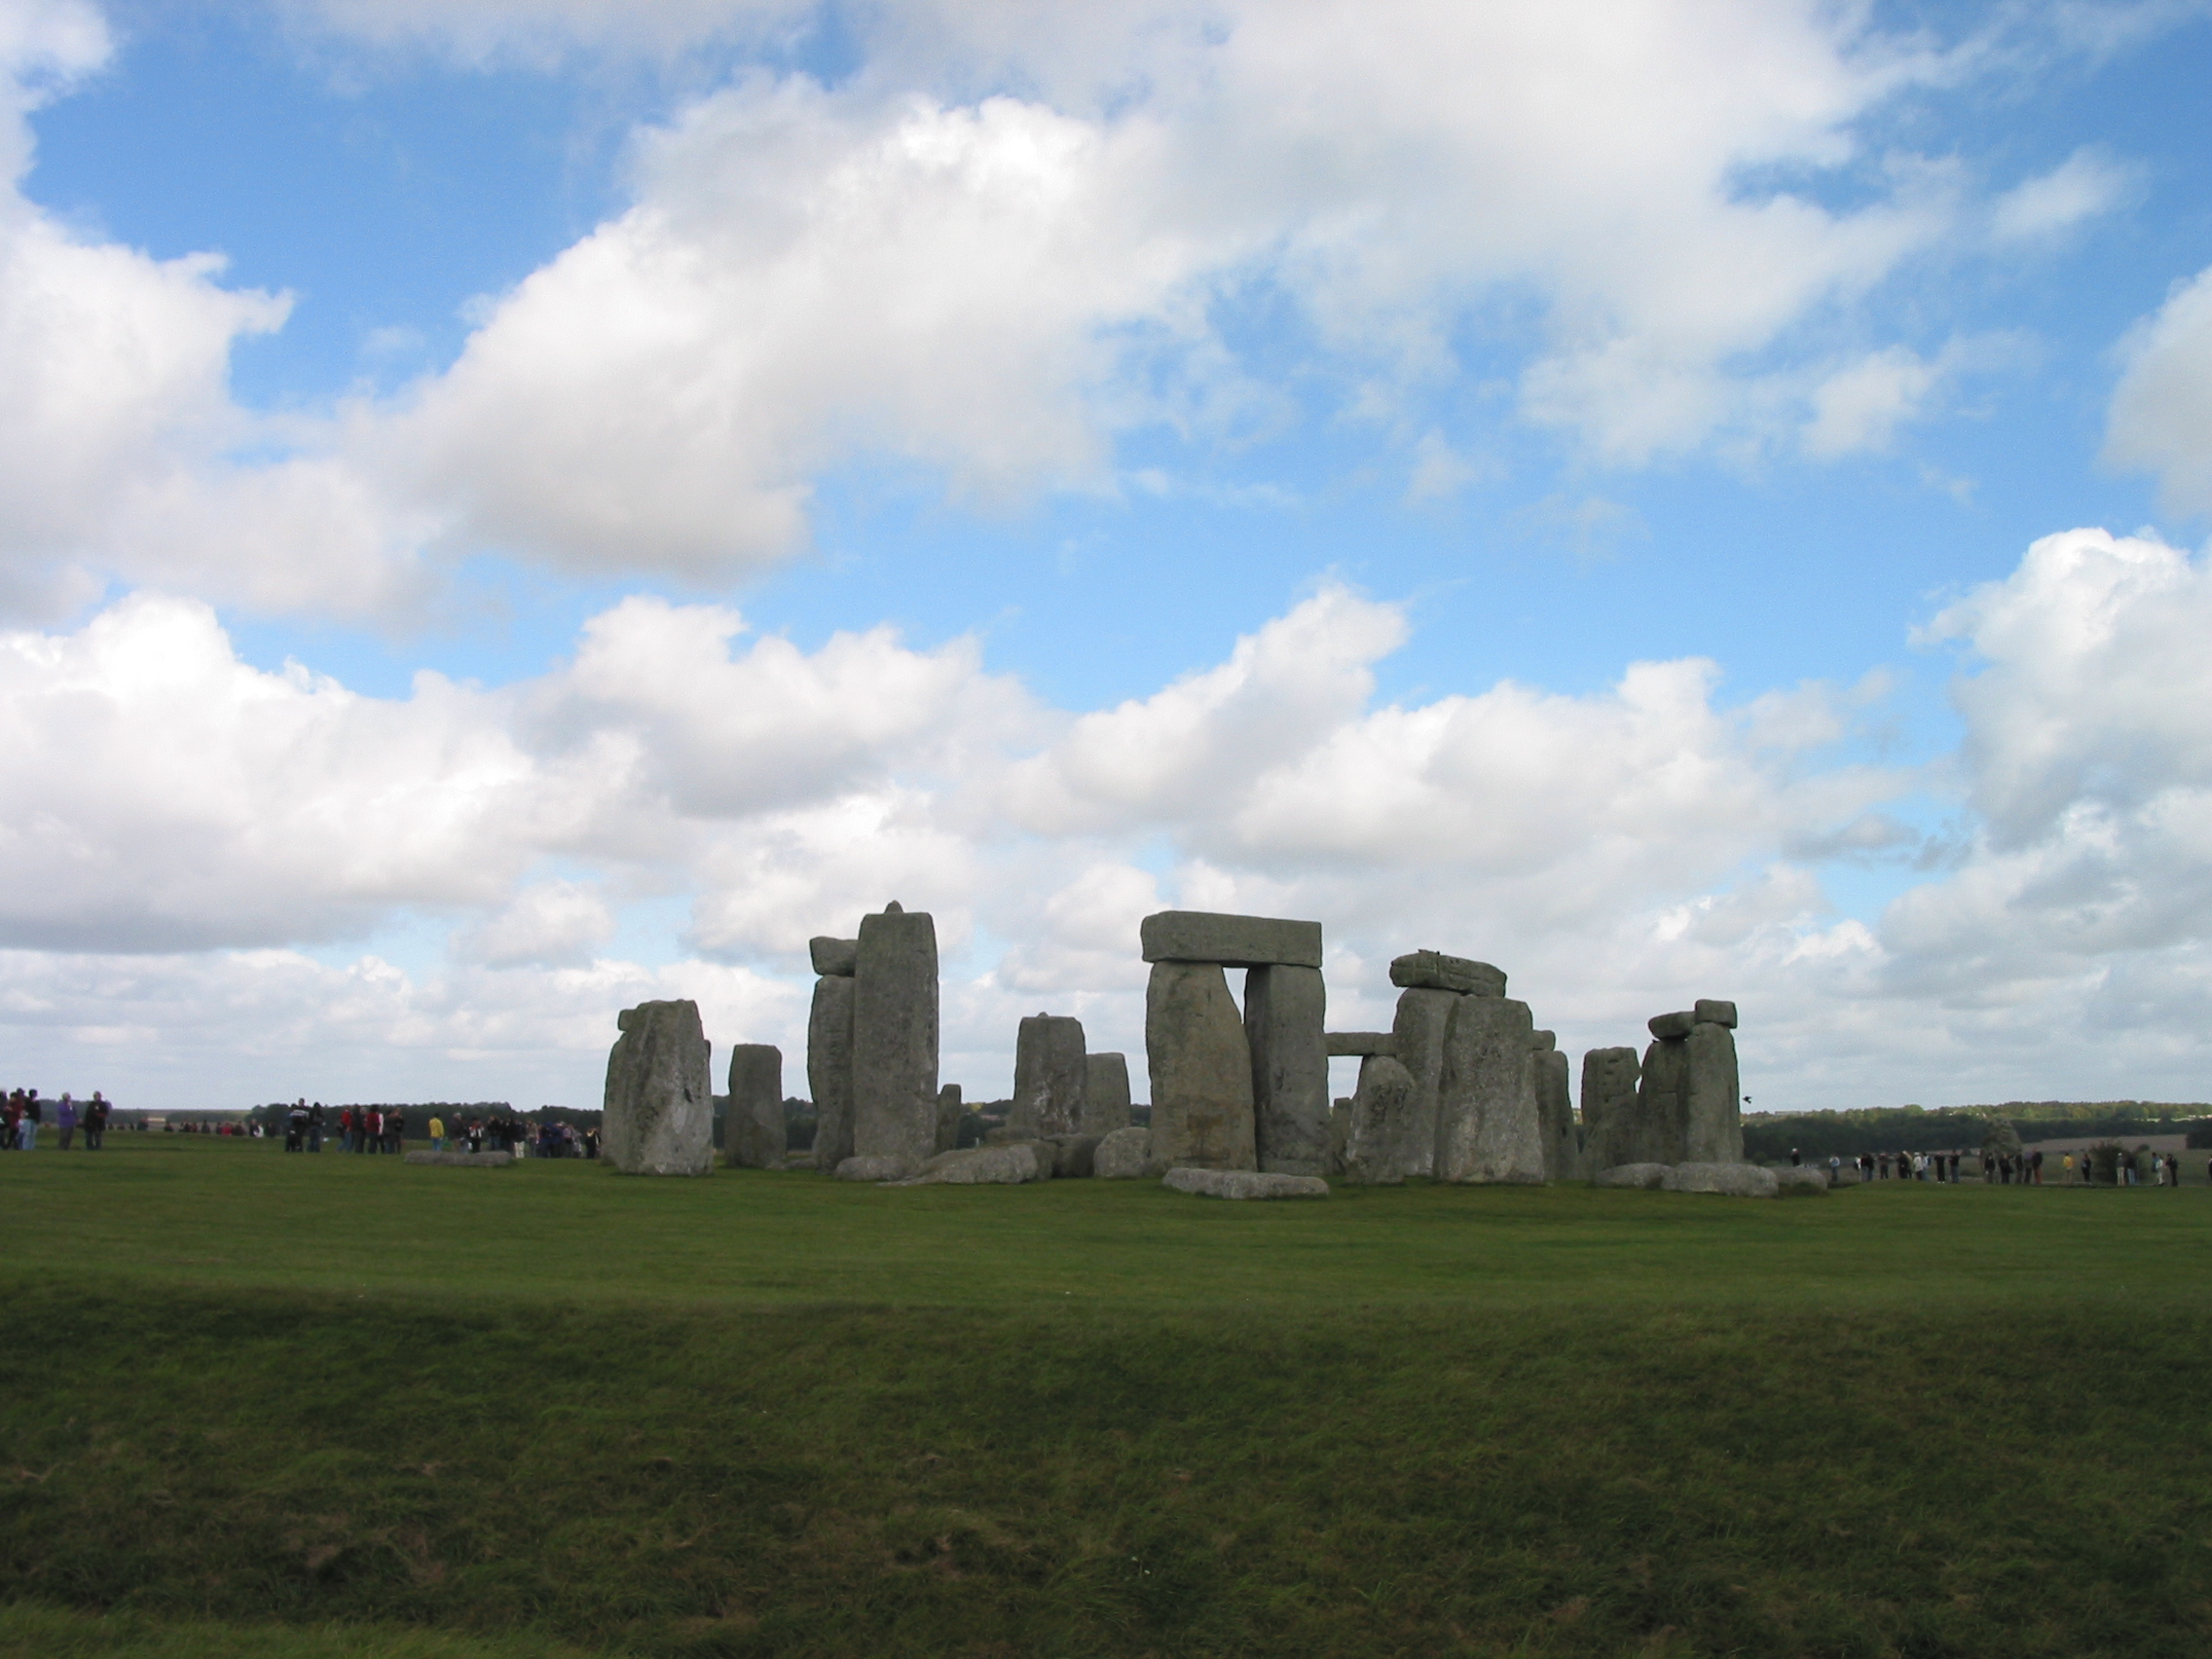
(510, 508)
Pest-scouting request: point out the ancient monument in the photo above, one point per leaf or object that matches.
(1051, 1077)
(752, 1131)
(658, 1110)
(893, 1044)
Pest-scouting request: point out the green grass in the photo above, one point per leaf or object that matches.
(266, 1405)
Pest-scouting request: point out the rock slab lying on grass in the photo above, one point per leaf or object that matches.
(658, 1110)
(1729, 1180)
(877, 1168)
(1644, 1177)
(1801, 1177)
(1123, 1156)
(983, 1167)
(1244, 1184)
(463, 1160)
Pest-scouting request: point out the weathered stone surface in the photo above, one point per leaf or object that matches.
(1285, 1019)
(1105, 1093)
(1668, 1028)
(1244, 1184)
(1378, 1149)
(1339, 1133)
(1123, 1156)
(983, 1167)
(798, 1160)
(1417, 1035)
(949, 1111)
(1202, 1069)
(658, 1109)
(839, 958)
(1360, 1042)
(1433, 971)
(829, 1071)
(1609, 1108)
(1713, 1111)
(1729, 1180)
(1233, 941)
(753, 1134)
(1555, 1109)
(1660, 1124)
(1647, 1178)
(1807, 1176)
(1543, 1042)
(1074, 1156)
(1487, 1125)
(463, 1160)
(1048, 1077)
(895, 1038)
(877, 1168)
(1717, 1012)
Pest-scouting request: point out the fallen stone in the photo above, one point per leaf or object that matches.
(1074, 1156)
(1285, 1016)
(877, 1168)
(949, 1112)
(1647, 1178)
(1361, 1043)
(1123, 1156)
(1048, 1077)
(1609, 1108)
(1105, 1093)
(982, 1166)
(1417, 1036)
(1713, 1111)
(463, 1160)
(838, 958)
(829, 1071)
(658, 1109)
(1709, 1008)
(1433, 971)
(1729, 1180)
(1801, 1176)
(1244, 1184)
(753, 1134)
(798, 1160)
(895, 1037)
(1488, 1129)
(1555, 1109)
(1232, 941)
(1378, 1140)
(1668, 1028)
(1202, 1069)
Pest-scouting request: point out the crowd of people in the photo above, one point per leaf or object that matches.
(2024, 1167)
(384, 1130)
(25, 1114)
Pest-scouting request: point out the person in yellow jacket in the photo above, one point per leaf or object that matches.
(437, 1132)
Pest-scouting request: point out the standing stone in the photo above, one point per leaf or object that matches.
(949, 1111)
(1202, 1069)
(1712, 1114)
(1661, 1131)
(1285, 1020)
(753, 1135)
(1339, 1133)
(1417, 1036)
(1609, 1108)
(1049, 1078)
(895, 1038)
(658, 1113)
(829, 1071)
(1554, 1105)
(1105, 1093)
(1487, 1124)
(1378, 1144)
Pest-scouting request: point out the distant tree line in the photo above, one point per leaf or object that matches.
(1917, 1129)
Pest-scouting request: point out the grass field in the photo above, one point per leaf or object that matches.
(278, 1406)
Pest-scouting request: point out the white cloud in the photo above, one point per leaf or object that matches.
(2086, 184)
(548, 923)
(2160, 419)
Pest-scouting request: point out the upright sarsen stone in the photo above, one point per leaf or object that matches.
(1418, 1040)
(1608, 1109)
(1285, 1025)
(829, 1071)
(658, 1113)
(1661, 1131)
(895, 1038)
(951, 1109)
(1555, 1107)
(1378, 1150)
(1105, 1093)
(1049, 1078)
(1487, 1124)
(1202, 1069)
(1713, 1116)
(753, 1136)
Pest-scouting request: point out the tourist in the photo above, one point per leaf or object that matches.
(345, 1129)
(437, 1132)
(396, 1130)
(96, 1122)
(1794, 1161)
(314, 1127)
(26, 1126)
(65, 1118)
(11, 1115)
(2069, 1167)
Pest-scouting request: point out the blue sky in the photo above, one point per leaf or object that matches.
(1215, 455)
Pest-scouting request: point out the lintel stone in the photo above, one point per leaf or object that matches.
(1717, 1013)
(835, 958)
(1362, 1042)
(1433, 971)
(1671, 1027)
(1233, 941)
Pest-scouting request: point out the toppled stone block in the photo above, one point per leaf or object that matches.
(1644, 1177)
(1123, 1156)
(1360, 1042)
(1285, 1014)
(1729, 1180)
(659, 1110)
(835, 958)
(1710, 1008)
(877, 1168)
(983, 1167)
(1805, 1176)
(1202, 1069)
(463, 1160)
(1433, 971)
(1232, 941)
(1048, 1076)
(1244, 1184)
(1669, 1027)
(1074, 1156)
(829, 1071)
(1105, 1093)
(752, 1134)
